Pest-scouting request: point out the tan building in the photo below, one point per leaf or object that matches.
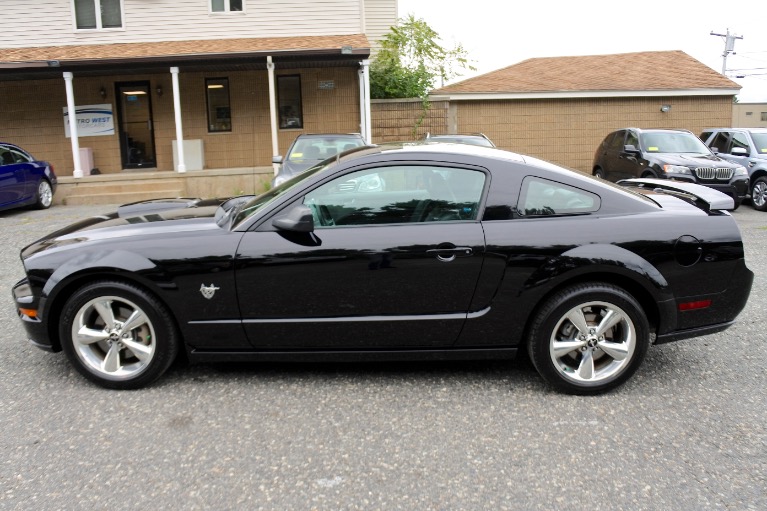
(232, 81)
(749, 115)
(560, 108)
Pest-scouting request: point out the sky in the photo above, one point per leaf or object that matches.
(499, 33)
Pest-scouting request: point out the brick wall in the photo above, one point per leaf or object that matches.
(568, 131)
(397, 120)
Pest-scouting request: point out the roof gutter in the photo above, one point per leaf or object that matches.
(491, 96)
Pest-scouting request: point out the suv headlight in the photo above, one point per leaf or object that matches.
(740, 171)
(677, 169)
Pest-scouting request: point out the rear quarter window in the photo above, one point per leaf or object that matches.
(542, 197)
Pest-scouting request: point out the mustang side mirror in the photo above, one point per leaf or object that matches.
(276, 159)
(739, 151)
(298, 219)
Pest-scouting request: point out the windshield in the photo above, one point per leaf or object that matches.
(672, 142)
(315, 149)
(258, 202)
(760, 139)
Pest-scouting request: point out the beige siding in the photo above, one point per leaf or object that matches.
(380, 16)
(174, 20)
(568, 131)
(402, 120)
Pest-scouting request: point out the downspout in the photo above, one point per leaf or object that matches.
(273, 114)
(72, 114)
(179, 130)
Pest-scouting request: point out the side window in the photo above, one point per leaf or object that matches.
(632, 139)
(721, 142)
(289, 100)
(740, 140)
(541, 197)
(226, 5)
(396, 195)
(6, 157)
(98, 14)
(616, 144)
(219, 109)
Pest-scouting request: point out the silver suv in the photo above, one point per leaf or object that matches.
(746, 147)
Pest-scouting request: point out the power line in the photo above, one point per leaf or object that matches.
(729, 47)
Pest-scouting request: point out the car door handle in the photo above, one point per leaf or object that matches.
(448, 254)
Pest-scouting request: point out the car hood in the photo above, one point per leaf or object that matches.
(291, 168)
(156, 218)
(697, 160)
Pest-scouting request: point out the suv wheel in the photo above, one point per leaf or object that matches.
(759, 194)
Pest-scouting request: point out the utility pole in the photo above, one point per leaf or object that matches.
(729, 47)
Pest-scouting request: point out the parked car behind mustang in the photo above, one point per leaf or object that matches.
(473, 139)
(667, 154)
(306, 151)
(746, 147)
(468, 252)
(24, 181)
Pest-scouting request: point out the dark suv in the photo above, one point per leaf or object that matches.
(747, 147)
(671, 154)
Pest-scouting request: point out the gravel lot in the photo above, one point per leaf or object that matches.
(687, 433)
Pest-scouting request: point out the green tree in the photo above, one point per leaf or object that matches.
(412, 59)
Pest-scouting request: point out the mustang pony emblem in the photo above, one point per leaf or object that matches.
(208, 291)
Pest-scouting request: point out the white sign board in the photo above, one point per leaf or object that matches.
(92, 120)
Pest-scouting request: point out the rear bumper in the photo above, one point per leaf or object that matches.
(692, 332)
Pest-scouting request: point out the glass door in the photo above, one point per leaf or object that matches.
(134, 109)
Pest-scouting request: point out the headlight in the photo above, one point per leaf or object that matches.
(278, 180)
(741, 171)
(371, 183)
(676, 169)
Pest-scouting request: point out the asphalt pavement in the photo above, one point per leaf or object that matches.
(686, 433)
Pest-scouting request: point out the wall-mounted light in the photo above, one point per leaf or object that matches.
(159, 90)
(103, 92)
(665, 108)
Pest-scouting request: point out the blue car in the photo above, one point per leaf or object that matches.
(24, 181)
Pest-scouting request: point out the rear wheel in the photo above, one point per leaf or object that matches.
(589, 338)
(598, 172)
(43, 195)
(117, 335)
(759, 194)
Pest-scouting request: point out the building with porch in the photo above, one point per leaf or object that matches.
(120, 85)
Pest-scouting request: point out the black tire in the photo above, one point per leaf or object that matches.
(581, 359)
(648, 174)
(43, 195)
(759, 194)
(123, 356)
(598, 172)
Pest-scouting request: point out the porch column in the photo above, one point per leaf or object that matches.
(366, 84)
(273, 114)
(179, 130)
(360, 75)
(72, 114)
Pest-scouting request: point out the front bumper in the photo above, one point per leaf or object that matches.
(36, 329)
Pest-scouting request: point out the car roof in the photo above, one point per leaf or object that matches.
(655, 130)
(753, 130)
(325, 135)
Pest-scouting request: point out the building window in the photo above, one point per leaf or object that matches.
(289, 99)
(227, 5)
(764, 116)
(219, 110)
(98, 14)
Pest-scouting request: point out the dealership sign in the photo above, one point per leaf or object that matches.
(92, 120)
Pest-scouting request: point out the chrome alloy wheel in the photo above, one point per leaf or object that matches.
(593, 342)
(113, 338)
(44, 194)
(759, 193)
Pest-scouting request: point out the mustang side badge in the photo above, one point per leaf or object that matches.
(208, 291)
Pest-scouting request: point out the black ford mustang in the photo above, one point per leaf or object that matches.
(433, 251)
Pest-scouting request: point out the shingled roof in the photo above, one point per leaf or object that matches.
(595, 75)
(352, 46)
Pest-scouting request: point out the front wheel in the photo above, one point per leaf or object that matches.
(598, 172)
(43, 195)
(117, 335)
(588, 338)
(759, 194)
